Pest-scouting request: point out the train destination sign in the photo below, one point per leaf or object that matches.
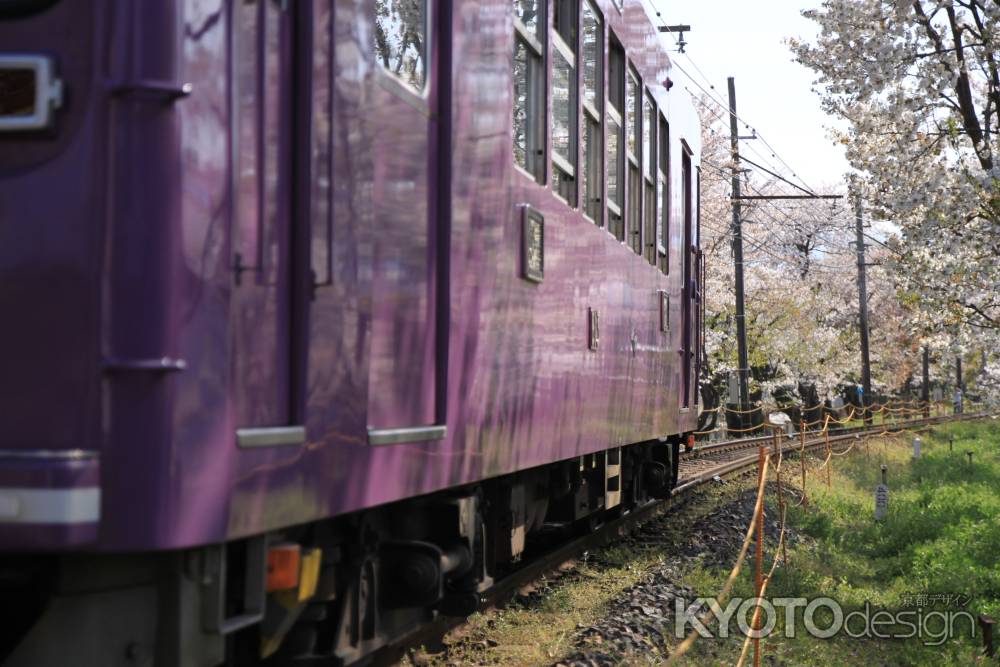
(533, 245)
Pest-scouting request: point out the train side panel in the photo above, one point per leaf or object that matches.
(290, 299)
(289, 270)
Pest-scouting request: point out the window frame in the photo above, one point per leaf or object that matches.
(633, 159)
(633, 75)
(592, 125)
(617, 68)
(697, 206)
(663, 179)
(536, 148)
(650, 220)
(569, 53)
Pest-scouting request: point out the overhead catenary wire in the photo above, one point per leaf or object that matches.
(720, 114)
(793, 260)
(712, 95)
(823, 247)
(738, 118)
(757, 132)
(760, 246)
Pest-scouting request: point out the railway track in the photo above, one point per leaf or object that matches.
(697, 467)
(708, 461)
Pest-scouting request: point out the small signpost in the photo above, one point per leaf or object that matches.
(734, 388)
(882, 496)
(916, 448)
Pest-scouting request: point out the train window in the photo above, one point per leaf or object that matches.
(22, 8)
(401, 40)
(529, 87)
(564, 107)
(592, 135)
(593, 57)
(564, 21)
(633, 211)
(649, 127)
(633, 214)
(685, 214)
(697, 204)
(616, 143)
(593, 157)
(631, 115)
(529, 14)
(649, 177)
(663, 194)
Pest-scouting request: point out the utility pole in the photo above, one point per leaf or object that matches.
(741, 327)
(866, 371)
(925, 395)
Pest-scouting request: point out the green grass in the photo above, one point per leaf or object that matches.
(941, 536)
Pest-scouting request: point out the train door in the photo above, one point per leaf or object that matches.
(262, 100)
(410, 194)
(699, 289)
(687, 276)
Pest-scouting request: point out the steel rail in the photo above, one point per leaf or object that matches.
(746, 443)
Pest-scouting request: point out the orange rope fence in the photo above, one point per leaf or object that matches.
(771, 461)
(727, 587)
(888, 410)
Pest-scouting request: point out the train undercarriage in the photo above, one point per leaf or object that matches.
(329, 592)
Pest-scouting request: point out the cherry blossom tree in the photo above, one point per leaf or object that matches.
(801, 289)
(918, 85)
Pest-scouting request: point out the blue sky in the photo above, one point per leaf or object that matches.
(745, 40)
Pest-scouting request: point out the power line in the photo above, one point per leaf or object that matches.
(760, 244)
(718, 115)
(759, 135)
(782, 178)
(709, 92)
(711, 95)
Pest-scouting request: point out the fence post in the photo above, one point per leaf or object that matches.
(882, 495)
(759, 556)
(829, 458)
(777, 476)
(987, 623)
(802, 461)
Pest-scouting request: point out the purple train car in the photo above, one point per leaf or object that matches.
(318, 313)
